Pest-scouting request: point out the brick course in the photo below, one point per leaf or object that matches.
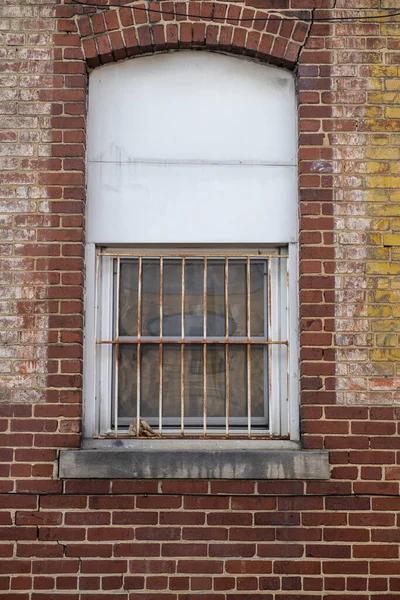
(156, 539)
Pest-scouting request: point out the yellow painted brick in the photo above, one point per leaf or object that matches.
(381, 325)
(375, 239)
(396, 312)
(383, 181)
(394, 196)
(383, 210)
(395, 283)
(383, 268)
(379, 253)
(377, 195)
(373, 112)
(392, 84)
(377, 167)
(395, 224)
(379, 139)
(383, 153)
(379, 311)
(391, 239)
(381, 224)
(386, 339)
(389, 296)
(395, 167)
(390, 29)
(385, 354)
(384, 98)
(382, 71)
(396, 253)
(392, 112)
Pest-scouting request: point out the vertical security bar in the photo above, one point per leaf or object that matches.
(183, 352)
(226, 350)
(160, 369)
(248, 289)
(139, 331)
(204, 346)
(116, 346)
(98, 407)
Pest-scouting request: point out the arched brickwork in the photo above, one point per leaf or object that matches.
(116, 34)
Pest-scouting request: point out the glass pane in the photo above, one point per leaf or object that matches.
(237, 297)
(149, 380)
(194, 297)
(172, 297)
(258, 301)
(237, 381)
(215, 297)
(128, 297)
(150, 297)
(172, 381)
(259, 364)
(194, 385)
(127, 380)
(216, 381)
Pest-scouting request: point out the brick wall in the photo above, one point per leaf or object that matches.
(151, 540)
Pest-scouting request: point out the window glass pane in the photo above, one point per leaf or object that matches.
(150, 297)
(215, 297)
(259, 364)
(128, 299)
(194, 381)
(237, 381)
(149, 380)
(172, 297)
(258, 300)
(216, 380)
(127, 380)
(172, 380)
(194, 297)
(237, 297)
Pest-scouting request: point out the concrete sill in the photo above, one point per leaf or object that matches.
(211, 461)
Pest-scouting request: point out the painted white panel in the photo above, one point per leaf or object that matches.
(171, 204)
(191, 106)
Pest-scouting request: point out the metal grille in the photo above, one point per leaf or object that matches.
(193, 344)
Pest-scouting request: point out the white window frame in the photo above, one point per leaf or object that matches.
(284, 407)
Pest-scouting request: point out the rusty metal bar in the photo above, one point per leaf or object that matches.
(116, 377)
(160, 366)
(205, 346)
(231, 342)
(190, 255)
(183, 352)
(139, 331)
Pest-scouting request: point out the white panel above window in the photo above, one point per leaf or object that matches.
(192, 106)
(191, 147)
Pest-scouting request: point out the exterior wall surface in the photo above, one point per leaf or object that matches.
(128, 539)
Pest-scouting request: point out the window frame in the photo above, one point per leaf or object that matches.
(92, 433)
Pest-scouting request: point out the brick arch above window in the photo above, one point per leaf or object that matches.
(116, 34)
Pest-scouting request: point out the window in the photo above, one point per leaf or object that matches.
(191, 318)
(191, 326)
(192, 342)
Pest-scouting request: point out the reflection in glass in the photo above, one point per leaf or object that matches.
(257, 299)
(128, 297)
(150, 295)
(258, 377)
(172, 297)
(171, 381)
(127, 380)
(194, 297)
(215, 297)
(237, 296)
(194, 381)
(216, 385)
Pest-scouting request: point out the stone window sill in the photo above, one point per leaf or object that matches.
(205, 459)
